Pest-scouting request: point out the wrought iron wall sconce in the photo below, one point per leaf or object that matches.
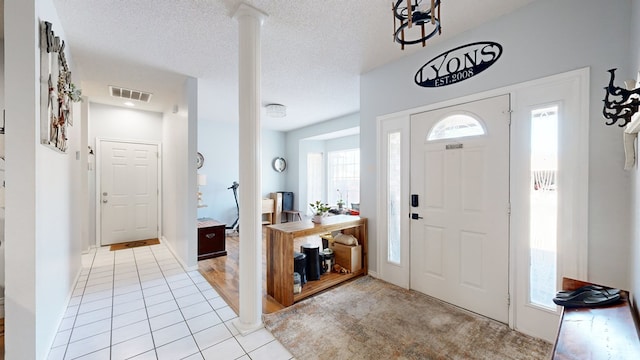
(620, 104)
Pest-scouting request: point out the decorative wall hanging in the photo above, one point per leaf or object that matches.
(458, 64)
(620, 104)
(57, 92)
(418, 21)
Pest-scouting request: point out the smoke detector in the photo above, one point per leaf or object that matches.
(123, 93)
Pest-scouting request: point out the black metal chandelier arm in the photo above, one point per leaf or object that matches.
(620, 112)
(410, 13)
(398, 34)
(402, 12)
(623, 109)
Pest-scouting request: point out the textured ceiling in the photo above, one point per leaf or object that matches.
(313, 52)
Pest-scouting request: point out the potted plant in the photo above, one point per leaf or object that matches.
(340, 202)
(320, 210)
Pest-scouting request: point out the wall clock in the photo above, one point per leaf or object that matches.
(279, 164)
(199, 160)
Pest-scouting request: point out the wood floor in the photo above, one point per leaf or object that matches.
(222, 274)
(1, 338)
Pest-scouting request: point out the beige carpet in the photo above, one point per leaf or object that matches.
(370, 319)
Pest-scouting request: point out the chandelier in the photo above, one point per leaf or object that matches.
(419, 21)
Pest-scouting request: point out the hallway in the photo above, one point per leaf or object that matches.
(140, 304)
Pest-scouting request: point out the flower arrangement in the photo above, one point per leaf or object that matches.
(74, 93)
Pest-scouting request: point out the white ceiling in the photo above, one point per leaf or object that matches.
(313, 52)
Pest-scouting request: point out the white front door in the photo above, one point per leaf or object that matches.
(460, 224)
(128, 191)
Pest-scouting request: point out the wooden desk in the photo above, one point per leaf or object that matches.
(607, 332)
(280, 240)
(211, 239)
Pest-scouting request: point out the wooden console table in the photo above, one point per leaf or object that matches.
(280, 239)
(211, 239)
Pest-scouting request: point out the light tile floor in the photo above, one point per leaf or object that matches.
(140, 304)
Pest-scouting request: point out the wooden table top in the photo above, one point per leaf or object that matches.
(208, 222)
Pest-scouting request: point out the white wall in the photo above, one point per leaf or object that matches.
(43, 246)
(343, 143)
(541, 39)
(219, 144)
(635, 208)
(297, 149)
(124, 123)
(115, 123)
(2, 172)
(179, 137)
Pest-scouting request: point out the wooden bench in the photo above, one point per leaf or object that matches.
(607, 332)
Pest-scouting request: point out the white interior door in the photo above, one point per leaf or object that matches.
(128, 192)
(460, 226)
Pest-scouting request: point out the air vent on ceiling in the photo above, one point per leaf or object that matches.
(120, 92)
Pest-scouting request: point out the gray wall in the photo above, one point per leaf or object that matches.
(635, 209)
(298, 148)
(544, 38)
(219, 144)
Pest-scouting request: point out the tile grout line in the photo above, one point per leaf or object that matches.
(144, 301)
(64, 355)
(73, 328)
(113, 295)
(167, 266)
(179, 307)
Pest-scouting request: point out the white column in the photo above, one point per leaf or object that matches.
(250, 22)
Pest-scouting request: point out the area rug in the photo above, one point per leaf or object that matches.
(371, 319)
(132, 244)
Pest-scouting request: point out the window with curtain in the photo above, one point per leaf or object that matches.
(343, 177)
(315, 175)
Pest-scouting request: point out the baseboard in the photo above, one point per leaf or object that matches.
(373, 274)
(186, 268)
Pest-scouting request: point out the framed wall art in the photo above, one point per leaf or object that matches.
(57, 91)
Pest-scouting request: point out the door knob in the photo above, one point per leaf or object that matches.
(104, 201)
(415, 216)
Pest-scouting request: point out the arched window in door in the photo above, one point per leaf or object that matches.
(456, 126)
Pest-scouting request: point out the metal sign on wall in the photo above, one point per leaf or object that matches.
(458, 64)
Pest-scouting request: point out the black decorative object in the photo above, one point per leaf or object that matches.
(199, 160)
(622, 106)
(419, 21)
(458, 64)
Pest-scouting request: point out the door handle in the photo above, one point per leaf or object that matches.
(104, 201)
(415, 216)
